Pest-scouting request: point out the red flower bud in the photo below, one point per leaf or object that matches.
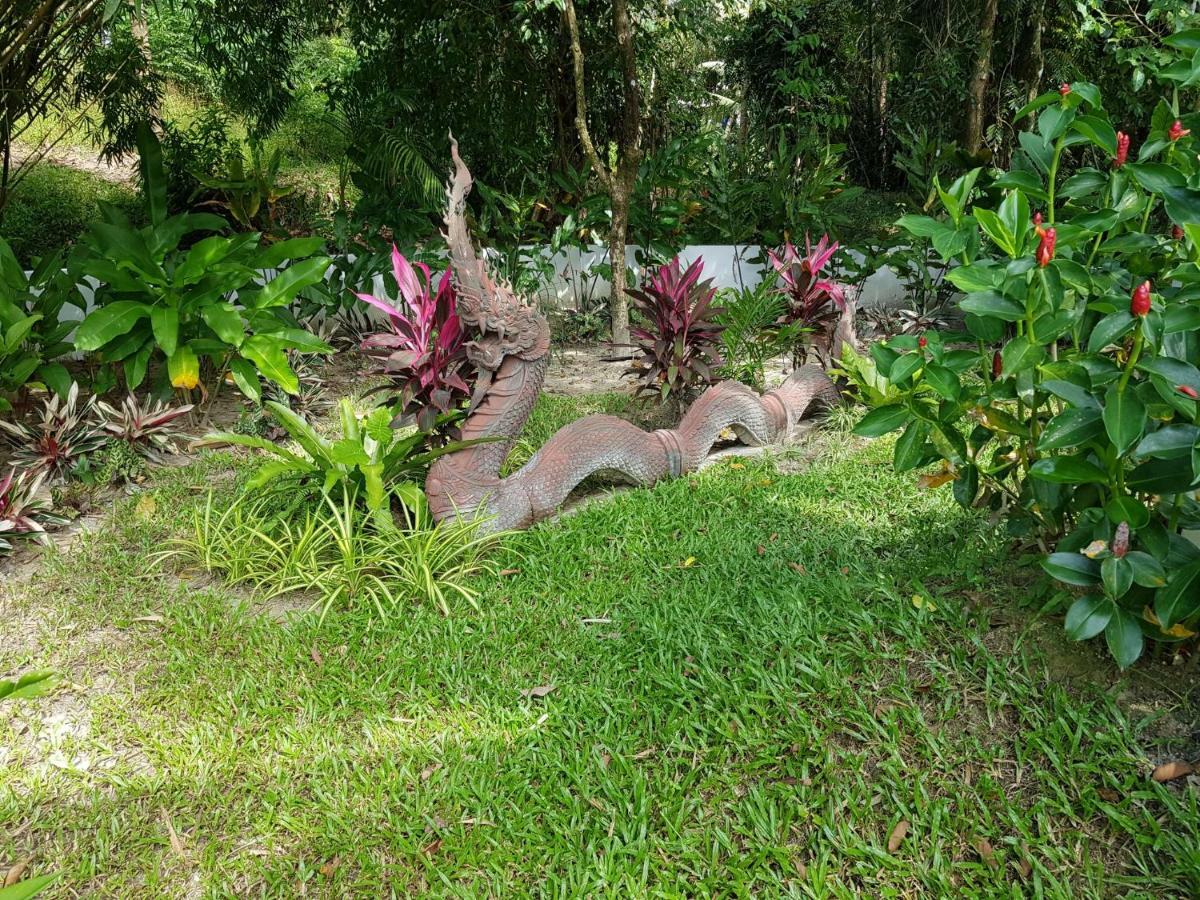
(997, 365)
(1122, 150)
(1187, 391)
(1177, 232)
(1177, 131)
(922, 342)
(1037, 218)
(1120, 544)
(1139, 300)
(1064, 89)
(1045, 250)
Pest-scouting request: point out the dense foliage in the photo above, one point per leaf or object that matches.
(1070, 404)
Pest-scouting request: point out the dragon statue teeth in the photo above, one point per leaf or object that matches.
(512, 352)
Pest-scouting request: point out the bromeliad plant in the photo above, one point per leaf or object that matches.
(150, 429)
(681, 340)
(22, 513)
(424, 355)
(160, 298)
(1072, 403)
(60, 438)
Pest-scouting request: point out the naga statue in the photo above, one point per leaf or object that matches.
(512, 352)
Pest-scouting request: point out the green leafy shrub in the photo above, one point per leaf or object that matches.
(160, 298)
(1071, 406)
(32, 336)
(753, 335)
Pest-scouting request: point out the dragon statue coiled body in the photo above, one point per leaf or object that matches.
(512, 352)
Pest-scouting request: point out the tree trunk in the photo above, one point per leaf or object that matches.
(1032, 57)
(973, 133)
(620, 179)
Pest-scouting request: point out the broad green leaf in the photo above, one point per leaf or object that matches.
(283, 288)
(1117, 576)
(1123, 635)
(881, 420)
(1147, 571)
(268, 355)
(1019, 354)
(1162, 476)
(1109, 330)
(1180, 599)
(1068, 470)
(1169, 442)
(943, 380)
(226, 322)
(164, 322)
(910, 445)
(245, 376)
(1098, 131)
(1072, 568)
(1124, 418)
(1182, 205)
(109, 322)
(1070, 429)
(995, 229)
(991, 303)
(1087, 617)
(1155, 177)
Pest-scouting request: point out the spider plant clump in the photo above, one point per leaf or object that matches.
(680, 340)
(149, 429)
(22, 513)
(424, 355)
(66, 431)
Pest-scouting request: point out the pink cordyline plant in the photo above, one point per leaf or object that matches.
(424, 355)
(813, 301)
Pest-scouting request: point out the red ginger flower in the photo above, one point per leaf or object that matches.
(1120, 544)
(997, 364)
(922, 342)
(1139, 300)
(1122, 150)
(1045, 250)
(1177, 232)
(1187, 391)
(1177, 131)
(1064, 89)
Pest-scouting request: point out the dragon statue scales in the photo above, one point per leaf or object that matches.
(512, 352)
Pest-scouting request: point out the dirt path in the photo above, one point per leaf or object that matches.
(121, 171)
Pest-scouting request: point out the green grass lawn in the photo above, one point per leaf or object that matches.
(746, 701)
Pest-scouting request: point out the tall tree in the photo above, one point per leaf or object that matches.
(981, 70)
(618, 179)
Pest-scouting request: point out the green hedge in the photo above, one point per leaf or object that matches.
(53, 205)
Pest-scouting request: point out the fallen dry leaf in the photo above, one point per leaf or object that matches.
(598, 620)
(796, 567)
(1024, 866)
(176, 844)
(761, 550)
(897, 836)
(1169, 771)
(316, 656)
(509, 571)
(427, 772)
(537, 693)
(642, 754)
(15, 873)
(930, 482)
(330, 867)
(147, 619)
(984, 848)
(1109, 795)
(432, 847)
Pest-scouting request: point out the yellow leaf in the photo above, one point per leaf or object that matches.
(688, 563)
(929, 482)
(1178, 630)
(184, 368)
(1094, 549)
(922, 603)
(736, 466)
(146, 506)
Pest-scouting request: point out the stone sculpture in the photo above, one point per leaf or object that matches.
(511, 351)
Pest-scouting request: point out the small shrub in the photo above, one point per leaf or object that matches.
(65, 432)
(753, 335)
(22, 513)
(149, 429)
(424, 355)
(813, 302)
(680, 341)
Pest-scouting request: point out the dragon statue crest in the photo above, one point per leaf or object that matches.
(511, 351)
